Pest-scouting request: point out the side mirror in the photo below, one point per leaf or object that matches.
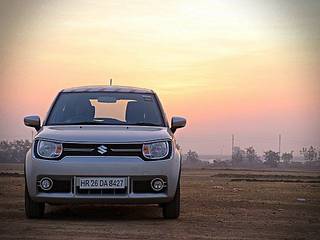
(32, 121)
(177, 122)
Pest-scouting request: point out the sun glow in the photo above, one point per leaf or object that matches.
(211, 61)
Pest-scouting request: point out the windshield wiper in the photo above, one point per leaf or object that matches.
(104, 123)
(85, 123)
(145, 124)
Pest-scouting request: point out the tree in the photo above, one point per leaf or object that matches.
(272, 158)
(251, 154)
(192, 157)
(287, 157)
(310, 154)
(14, 151)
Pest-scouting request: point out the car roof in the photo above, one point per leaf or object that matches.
(122, 89)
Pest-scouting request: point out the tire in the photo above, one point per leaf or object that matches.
(32, 209)
(171, 210)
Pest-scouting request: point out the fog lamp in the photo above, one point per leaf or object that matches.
(46, 183)
(157, 184)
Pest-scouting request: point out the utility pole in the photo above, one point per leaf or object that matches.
(110, 82)
(232, 145)
(280, 146)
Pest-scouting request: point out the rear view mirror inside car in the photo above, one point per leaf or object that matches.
(106, 99)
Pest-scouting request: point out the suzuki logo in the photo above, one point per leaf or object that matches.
(102, 149)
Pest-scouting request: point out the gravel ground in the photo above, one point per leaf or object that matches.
(213, 207)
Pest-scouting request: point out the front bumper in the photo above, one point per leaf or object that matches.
(132, 168)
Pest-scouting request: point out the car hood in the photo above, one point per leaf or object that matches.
(103, 134)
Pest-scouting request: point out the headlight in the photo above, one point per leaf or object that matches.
(46, 149)
(155, 150)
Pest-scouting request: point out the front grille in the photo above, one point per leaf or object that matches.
(90, 149)
(80, 149)
(123, 191)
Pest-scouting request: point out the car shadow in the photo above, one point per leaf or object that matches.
(102, 212)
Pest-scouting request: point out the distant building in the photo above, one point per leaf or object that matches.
(238, 154)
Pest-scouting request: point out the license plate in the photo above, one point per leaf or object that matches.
(102, 182)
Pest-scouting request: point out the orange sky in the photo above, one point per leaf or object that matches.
(245, 67)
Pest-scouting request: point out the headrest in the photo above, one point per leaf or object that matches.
(135, 112)
(82, 110)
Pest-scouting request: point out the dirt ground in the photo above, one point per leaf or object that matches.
(216, 204)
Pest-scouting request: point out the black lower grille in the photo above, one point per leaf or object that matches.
(65, 184)
(59, 186)
(122, 191)
(144, 186)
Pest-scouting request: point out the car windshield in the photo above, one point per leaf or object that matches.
(105, 108)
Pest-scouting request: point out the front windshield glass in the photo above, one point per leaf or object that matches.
(105, 108)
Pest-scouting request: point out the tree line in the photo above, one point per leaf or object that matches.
(14, 151)
(248, 157)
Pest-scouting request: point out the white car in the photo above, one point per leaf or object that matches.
(104, 144)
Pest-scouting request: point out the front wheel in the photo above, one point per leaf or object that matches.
(32, 209)
(171, 210)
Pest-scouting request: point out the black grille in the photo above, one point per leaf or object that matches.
(101, 191)
(65, 184)
(144, 186)
(59, 186)
(79, 149)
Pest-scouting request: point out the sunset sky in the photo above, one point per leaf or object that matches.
(249, 68)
